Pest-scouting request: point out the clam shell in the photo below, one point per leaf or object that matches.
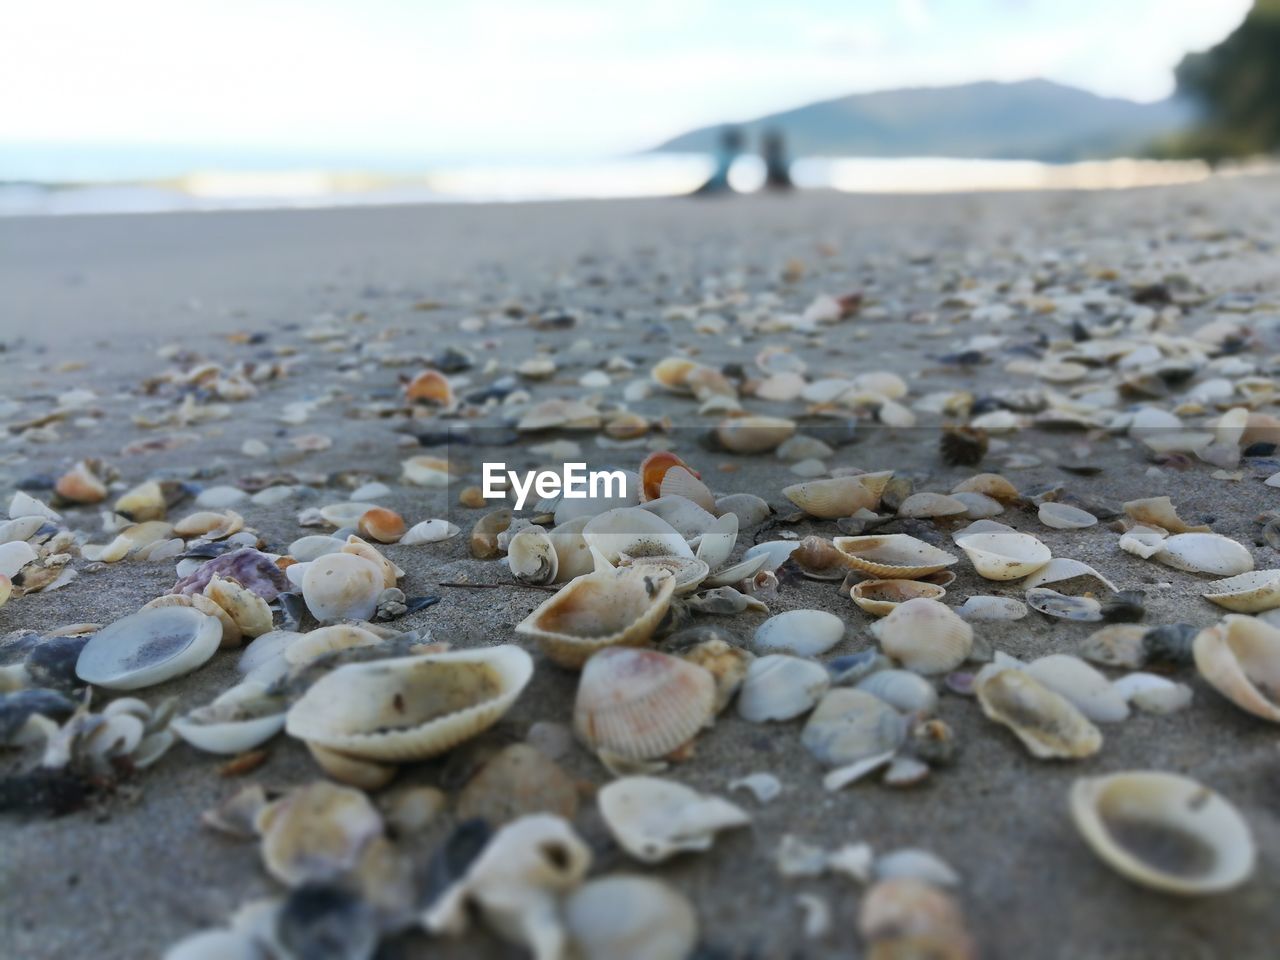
(882, 597)
(717, 541)
(634, 532)
(306, 549)
(687, 572)
(326, 640)
(1004, 556)
(1240, 658)
(428, 531)
(803, 632)
(925, 636)
(683, 515)
(992, 608)
(744, 568)
(149, 647)
(1251, 592)
(991, 485)
(1054, 604)
(603, 609)
(753, 434)
(246, 609)
(532, 556)
(316, 833)
(623, 917)
(1046, 723)
(925, 505)
(654, 819)
(779, 687)
(852, 725)
(978, 506)
(238, 720)
(903, 690)
(893, 556)
(750, 510)
(1205, 553)
(833, 498)
(637, 705)
(1164, 831)
(1088, 690)
(1062, 516)
(410, 708)
(342, 586)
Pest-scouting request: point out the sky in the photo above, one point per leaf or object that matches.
(497, 79)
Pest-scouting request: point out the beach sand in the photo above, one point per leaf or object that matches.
(136, 871)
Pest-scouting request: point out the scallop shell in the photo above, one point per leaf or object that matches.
(1164, 831)
(1004, 556)
(1251, 592)
(779, 687)
(1205, 553)
(882, 597)
(833, 498)
(637, 705)
(246, 609)
(851, 725)
(410, 708)
(1160, 512)
(803, 632)
(925, 636)
(342, 586)
(654, 819)
(240, 719)
(652, 470)
(683, 515)
(903, 690)
(634, 532)
(680, 481)
(1062, 516)
(1046, 723)
(894, 556)
(603, 609)
(754, 434)
(1240, 658)
(532, 556)
(148, 647)
(925, 505)
(992, 608)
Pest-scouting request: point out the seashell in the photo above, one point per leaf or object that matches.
(1088, 691)
(342, 586)
(6, 589)
(904, 917)
(1046, 723)
(978, 506)
(326, 640)
(24, 528)
(209, 524)
(765, 787)
(517, 781)
(750, 510)
(1062, 516)
(14, 556)
(1251, 592)
(777, 552)
(624, 917)
(231, 635)
(638, 705)
(144, 502)
(1240, 658)
(573, 556)
(818, 559)
(779, 687)
(991, 485)
(833, 498)
(603, 609)
(806, 633)
(726, 663)
(365, 774)
(426, 472)
(683, 515)
(1144, 542)
(1061, 569)
(893, 556)
(679, 481)
(654, 819)
(673, 373)
(247, 610)
(744, 569)
(753, 434)
(1152, 693)
(1164, 831)
(250, 568)
(240, 719)
(851, 725)
(1160, 512)
(992, 608)
(924, 636)
(517, 883)
(410, 708)
(687, 572)
(717, 541)
(81, 484)
(428, 531)
(634, 532)
(381, 524)
(431, 387)
(345, 514)
(903, 690)
(927, 505)
(881, 597)
(532, 556)
(1205, 553)
(1004, 556)
(148, 647)
(914, 864)
(316, 833)
(1054, 604)
(484, 535)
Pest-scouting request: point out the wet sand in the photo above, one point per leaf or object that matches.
(136, 871)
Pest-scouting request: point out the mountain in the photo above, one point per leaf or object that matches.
(1029, 120)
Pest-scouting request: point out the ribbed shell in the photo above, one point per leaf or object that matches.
(833, 498)
(881, 597)
(925, 636)
(894, 556)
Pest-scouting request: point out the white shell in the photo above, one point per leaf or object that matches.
(1240, 658)
(1061, 569)
(342, 586)
(775, 552)
(979, 506)
(931, 505)
(925, 636)
(1152, 693)
(316, 833)
(238, 720)
(836, 497)
(1054, 604)
(429, 531)
(895, 556)
(149, 647)
(653, 819)
(1004, 556)
(851, 725)
(1046, 723)
(744, 568)
(806, 633)
(1062, 516)
(1086, 688)
(635, 533)
(624, 917)
(532, 556)
(1144, 542)
(992, 608)
(1164, 831)
(1205, 553)
(1251, 592)
(750, 510)
(682, 514)
(779, 687)
(903, 690)
(718, 540)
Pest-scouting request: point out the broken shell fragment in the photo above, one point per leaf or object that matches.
(1240, 658)
(246, 609)
(894, 556)
(639, 705)
(1164, 831)
(881, 597)
(342, 586)
(149, 647)
(240, 719)
(1251, 592)
(1054, 604)
(654, 819)
(1160, 512)
(925, 636)
(604, 609)
(1004, 556)
(81, 484)
(410, 708)
(1046, 723)
(316, 833)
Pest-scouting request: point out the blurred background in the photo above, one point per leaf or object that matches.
(150, 105)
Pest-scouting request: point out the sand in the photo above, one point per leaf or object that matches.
(136, 871)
